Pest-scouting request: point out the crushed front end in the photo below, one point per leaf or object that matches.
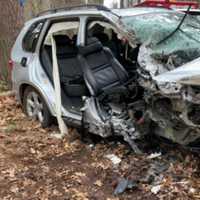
(169, 73)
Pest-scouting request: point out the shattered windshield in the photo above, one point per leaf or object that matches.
(183, 46)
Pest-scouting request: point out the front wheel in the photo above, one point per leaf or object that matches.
(35, 107)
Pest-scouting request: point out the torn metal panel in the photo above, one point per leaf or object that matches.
(115, 122)
(175, 119)
(98, 122)
(126, 129)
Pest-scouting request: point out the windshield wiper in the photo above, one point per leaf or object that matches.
(177, 28)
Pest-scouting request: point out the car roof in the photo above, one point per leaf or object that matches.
(120, 12)
(65, 13)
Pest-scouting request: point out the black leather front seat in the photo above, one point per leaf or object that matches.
(102, 71)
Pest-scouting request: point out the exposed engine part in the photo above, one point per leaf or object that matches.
(192, 94)
(176, 119)
(193, 114)
(163, 107)
(190, 116)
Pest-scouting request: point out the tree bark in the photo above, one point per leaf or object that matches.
(11, 21)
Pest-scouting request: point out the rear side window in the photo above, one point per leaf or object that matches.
(31, 38)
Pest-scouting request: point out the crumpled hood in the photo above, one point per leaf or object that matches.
(187, 74)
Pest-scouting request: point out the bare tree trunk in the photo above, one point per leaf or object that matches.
(11, 20)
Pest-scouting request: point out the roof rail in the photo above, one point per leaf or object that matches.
(79, 7)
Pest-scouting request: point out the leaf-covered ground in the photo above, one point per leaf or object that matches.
(34, 165)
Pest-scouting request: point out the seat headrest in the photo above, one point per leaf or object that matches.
(62, 40)
(65, 48)
(92, 45)
(103, 37)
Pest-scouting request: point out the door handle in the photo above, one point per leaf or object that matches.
(23, 62)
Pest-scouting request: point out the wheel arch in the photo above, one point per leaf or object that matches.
(22, 89)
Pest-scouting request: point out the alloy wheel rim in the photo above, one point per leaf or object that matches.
(34, 107)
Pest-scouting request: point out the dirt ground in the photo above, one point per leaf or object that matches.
(34, 165)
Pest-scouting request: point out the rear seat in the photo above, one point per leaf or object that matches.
(70, 72)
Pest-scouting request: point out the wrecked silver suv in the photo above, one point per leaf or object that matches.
(123, 72)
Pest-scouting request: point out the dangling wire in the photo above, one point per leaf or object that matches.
(178, 27)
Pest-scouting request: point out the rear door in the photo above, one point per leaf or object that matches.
(23, 51)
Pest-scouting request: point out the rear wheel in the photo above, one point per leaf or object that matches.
(35, 107)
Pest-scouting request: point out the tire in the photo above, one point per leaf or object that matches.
(35, 107)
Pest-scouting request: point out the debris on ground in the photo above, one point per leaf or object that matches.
(154, 155)
(34, 165)
(125, 184)
(115, 159)
(156, 189)
(154, 174)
